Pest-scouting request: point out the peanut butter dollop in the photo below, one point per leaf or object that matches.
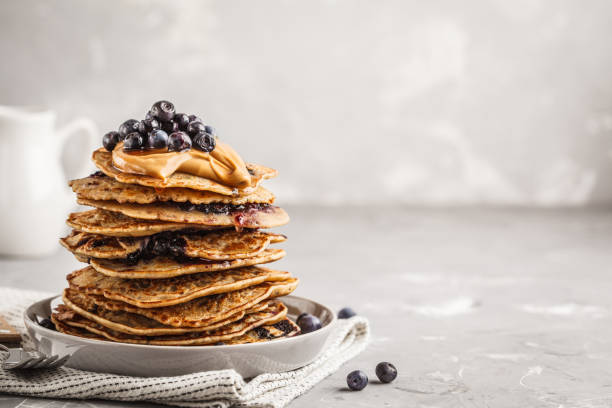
(222, 165)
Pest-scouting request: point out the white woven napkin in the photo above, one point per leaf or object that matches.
(217, 389)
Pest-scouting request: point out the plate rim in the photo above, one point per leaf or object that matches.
(32, 325)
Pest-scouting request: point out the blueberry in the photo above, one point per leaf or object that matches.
(182, 119)
(163, 110)
(204, 142)
(47, 324)
(157, 139)
(195, 127)
(176, 246)
(147, 125)
(194, 118)
(110, 140)
(308, 323)
(301, 315)
(160, 246)
(345, 313)
(357, 380)
(133, 141)
(133, 258)
(386, 372)
(178, 142)
(219, 208)
(186, 206)
(210, 130)
(127, 127)
(170, 127)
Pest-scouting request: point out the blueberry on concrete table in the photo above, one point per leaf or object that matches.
(357, 380)
(386, 372)
(346, 313)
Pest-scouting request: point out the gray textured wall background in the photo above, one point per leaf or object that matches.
(439, 102)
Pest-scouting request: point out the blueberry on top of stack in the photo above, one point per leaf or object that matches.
(175, 241)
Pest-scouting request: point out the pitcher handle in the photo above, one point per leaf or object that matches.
(89, 130)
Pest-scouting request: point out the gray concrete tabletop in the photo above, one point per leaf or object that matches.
(475, 307)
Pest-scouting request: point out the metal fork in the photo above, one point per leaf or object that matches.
(20, 359)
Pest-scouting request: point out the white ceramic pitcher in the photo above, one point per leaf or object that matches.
(34, 196)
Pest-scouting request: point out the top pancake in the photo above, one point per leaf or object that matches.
(103, 160)
(107, 188)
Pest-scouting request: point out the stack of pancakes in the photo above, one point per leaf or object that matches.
(174, 261)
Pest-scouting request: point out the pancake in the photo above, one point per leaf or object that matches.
(239, 332)
(266, 217)
(68, 322)
(215, 245)
(100, 246)
(165, 267)
(101, 187)
(132, 323)
(148, 293)
(199, 312)
(118, 225)
(103, 160)
(61, 318)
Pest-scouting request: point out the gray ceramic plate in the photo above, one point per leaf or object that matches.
(152, 361)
